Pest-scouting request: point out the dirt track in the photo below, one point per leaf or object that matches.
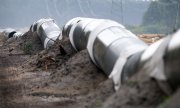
(58, 79)
(25, 85)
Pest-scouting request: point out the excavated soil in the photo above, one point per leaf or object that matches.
(31, 77)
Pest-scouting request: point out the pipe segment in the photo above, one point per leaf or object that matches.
(47, 30)
(12, 33)
(109, 44)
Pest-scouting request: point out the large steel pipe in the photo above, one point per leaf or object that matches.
(161, 60)
(109, 44)
(47, 30)
(11, 33)
(172, 61)
(77, 28)
(120, 54)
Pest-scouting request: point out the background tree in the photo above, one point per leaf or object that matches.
(162, 15)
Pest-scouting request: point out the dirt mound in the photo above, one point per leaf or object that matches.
(61, 77)
(150, 38)
(138, 92)
(30, 43)
(173, 102)
(56, 77)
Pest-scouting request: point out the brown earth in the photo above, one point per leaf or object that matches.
(31, 77)
(150, 38)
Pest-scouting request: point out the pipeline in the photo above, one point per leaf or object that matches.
(161, 60)
(120, 54)
(115, 50)
(12, 33)
(109, 44)
(47, 30)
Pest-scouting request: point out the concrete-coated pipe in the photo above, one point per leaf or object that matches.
(12, 33)
(120, 54)
(47, 30)
(78, 28)
(109, 44)
(161, 60)
(69, 24)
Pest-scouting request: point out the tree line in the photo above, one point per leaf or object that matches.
(162, 16)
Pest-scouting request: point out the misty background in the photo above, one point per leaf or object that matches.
(22, 13)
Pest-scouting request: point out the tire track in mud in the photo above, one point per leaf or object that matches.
(17, 82)
(10, 87)
(74, 83)
(15, 85)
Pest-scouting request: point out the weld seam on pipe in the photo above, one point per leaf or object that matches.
(95, 33)
(71, 34)
(33, 27)
(39, 24)
(116, 73)
(46, 42)
(86, 25)
(70, 23)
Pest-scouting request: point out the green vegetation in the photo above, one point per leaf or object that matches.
(97, 104)
(132, 83)
(162, 16)
(27, 48)
(164, 103)
(150, 29)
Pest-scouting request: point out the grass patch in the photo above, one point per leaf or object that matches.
(27, 48)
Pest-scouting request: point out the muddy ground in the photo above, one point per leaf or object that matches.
(31, 77)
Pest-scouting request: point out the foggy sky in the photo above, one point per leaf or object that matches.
(22, 13)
